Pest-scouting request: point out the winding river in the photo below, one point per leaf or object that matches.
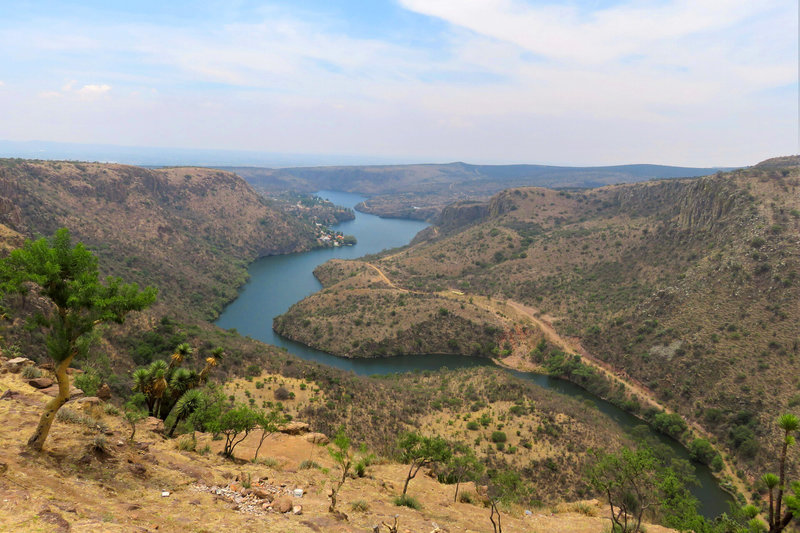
(277, 282)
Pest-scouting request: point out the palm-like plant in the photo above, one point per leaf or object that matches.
(187, 404)
(181, 351)
(778, 519)
(150, 382)
(211, 361)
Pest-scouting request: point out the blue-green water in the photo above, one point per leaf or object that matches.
(277, 282)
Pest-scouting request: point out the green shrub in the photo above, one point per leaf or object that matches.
(31, 372)
(308, 465)
(473, 425)
(407, 501)
(498, 436)
(466, 497)
(360, 506)
(702, 451)
(88, 382)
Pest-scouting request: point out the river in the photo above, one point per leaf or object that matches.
(277, 282)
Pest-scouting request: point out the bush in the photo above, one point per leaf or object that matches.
(670, 424)
(466, 497)
(702, 451)
(360, 506)
(282, 394)
(407, 501)
(88, 382)
(31, 372)
(473, 425)
(498, 436)
(308, 465)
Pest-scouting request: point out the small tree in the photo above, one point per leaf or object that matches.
(134, 412)
(418, 451)
(68, 276)
(463, 466)
(340, 452)
(629, 483)
(780, 516)
(268, 422)
(503, 485)
(235, 424)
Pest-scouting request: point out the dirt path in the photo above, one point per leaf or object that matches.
(385, 279)
(572, 346)
(632, 386)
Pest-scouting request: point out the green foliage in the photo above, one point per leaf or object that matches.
(671, 424)
(235, 425)
(404, 500)
(68, 276)
(31, 372)
(88, 382)
(417, 451)
(268, 422)
(462, 466)
(635, 481)
(134, 411)
(702, 451)
(498, 436)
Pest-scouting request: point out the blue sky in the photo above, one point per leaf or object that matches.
(687, 82)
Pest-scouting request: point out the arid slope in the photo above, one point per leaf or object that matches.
(689, 287)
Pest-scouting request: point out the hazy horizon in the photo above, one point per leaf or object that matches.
(210, 157)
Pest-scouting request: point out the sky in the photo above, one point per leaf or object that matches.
(584, 82)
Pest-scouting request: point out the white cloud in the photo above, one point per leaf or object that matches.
(92, 91)
(68, 85)
(2, 83)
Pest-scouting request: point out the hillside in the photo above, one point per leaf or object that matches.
(421, 191)
(182, 230)
(93, 478)
(689, 287)
(191, 230)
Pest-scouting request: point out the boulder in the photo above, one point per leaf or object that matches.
(88, 402)
(153, 424)
(40, 383)
(104, 392)
(262, 495)
(52, 390)
(317, 438)
(282, 504)
(297, 509)
(295, 428)
(17, 364)
(9, 395)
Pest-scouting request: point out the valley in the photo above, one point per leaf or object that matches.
(444, 307)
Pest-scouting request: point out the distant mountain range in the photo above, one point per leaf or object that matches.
(421, 191)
